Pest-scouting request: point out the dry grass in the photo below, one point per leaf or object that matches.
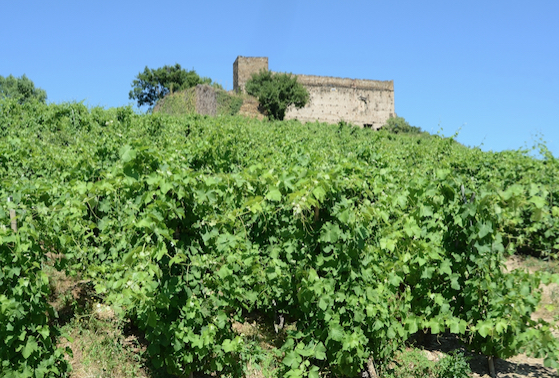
(100, 347)
(255, 330)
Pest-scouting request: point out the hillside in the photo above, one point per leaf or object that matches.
(212, 101)
(227, 245)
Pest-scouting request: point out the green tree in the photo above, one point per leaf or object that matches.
(276, 92)
(398, 125)
(153, 84)
(21, 88)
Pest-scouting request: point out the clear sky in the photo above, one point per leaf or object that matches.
(488, 68)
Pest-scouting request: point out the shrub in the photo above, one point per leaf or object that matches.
(276, 92)
(398, 125)
(454, 365)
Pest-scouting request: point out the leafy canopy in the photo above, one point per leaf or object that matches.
(21, 88)
(398, 125)
(362, 238)
(276, 92)
(153, 84)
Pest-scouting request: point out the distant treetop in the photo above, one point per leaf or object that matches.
(21, 88)
(398, 125)
(154, 84)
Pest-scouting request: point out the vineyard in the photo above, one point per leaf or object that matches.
(348, 241)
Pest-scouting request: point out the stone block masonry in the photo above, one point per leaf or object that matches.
(244, 67)
(366, 103)
(206, 100)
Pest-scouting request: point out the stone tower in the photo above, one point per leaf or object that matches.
(367, 103)
(244, 67)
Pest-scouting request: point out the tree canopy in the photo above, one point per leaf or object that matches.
(398, 125)
(21, 88)
(276, 92)
(153, 84)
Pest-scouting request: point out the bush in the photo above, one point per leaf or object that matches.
(22, 89)
(398, 125)
(454, 365)
(29, 340)
(276, 92)
(154, 84)
(184, 102)
(228, 104)
(413, 363)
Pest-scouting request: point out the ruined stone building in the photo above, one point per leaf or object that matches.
(368, 103)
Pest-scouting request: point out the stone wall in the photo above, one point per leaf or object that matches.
(244, 67)
(206, 100)
(366, 103)
(201, 99)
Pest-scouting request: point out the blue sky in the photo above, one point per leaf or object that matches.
(487, 68)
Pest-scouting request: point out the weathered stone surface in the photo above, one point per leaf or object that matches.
(366, 103)
(206, 100)
(244, 67)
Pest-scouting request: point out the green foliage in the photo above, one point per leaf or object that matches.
(358, 239)
(21, 88)
(184, 102)
(414, 363)
(178, 103)
(276, 92)
(454, 365)
(227, 103)
(102, 349)
(153, 84)
(29, 341)
(398, 125)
